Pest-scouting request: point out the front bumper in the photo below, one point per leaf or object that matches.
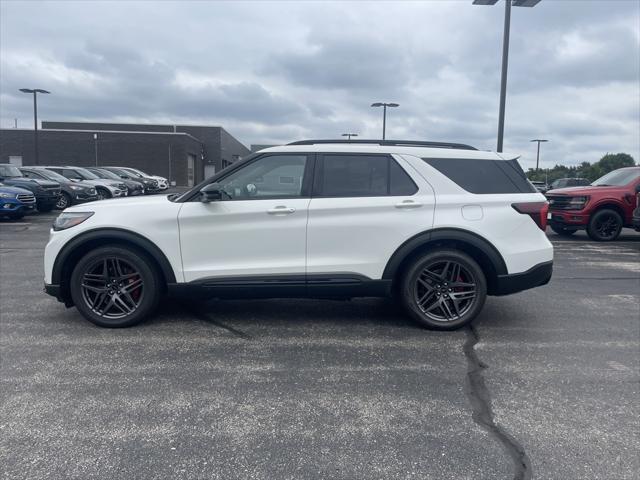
(536, 276)
(11, 206)
(568, 218)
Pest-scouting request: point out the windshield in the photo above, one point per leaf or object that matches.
(52, 175)
(9, 171)
(106, 174)
(139, 172)
(86, 174)
(618, 178)
(131, 171)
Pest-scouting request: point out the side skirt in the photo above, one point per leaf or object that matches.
(283, 286)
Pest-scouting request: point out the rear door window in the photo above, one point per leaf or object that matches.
(343, 175)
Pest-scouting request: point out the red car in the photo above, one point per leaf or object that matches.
(603, 207)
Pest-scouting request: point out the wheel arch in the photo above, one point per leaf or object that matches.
(478, 248)
(87, 241)
(610, 204)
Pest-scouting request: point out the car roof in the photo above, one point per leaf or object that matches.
(401, 147)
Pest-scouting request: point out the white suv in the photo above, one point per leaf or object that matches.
(438, 225)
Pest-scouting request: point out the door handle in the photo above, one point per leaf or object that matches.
(281, 210)
(408, 204)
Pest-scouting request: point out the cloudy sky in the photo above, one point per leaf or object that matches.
(273, 72)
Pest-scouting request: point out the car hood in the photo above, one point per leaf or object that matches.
(31, 181)
(13, 190)
(103, 182)
(584, 190)
(151, 201)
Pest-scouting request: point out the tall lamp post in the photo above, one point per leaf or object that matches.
(349, 135)
(505, 55)
(384, 114)
(35, 92)
(539, 140)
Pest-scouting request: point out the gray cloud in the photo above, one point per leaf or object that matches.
(278, 71)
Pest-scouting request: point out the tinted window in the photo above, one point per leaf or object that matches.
(275, 176)
(362, 176)
(484, 176)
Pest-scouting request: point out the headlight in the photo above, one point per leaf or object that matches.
(76, 187)
(71, 219)
(8, 195)
(576, 203)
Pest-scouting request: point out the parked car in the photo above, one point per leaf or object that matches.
(569, 182)
(71, 193)
(15, 202)
(133, 187)
(46, 192)
(163, 183)
(104, 188)
(635, 218)
(540, 186)
(150, 184)
(603, 208)
(438, 225)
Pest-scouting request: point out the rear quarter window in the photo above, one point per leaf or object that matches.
(484, 176)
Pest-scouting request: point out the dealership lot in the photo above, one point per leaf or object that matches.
(326, 389)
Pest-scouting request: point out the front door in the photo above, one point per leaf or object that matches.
(257, 229)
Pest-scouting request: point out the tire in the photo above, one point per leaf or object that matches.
(95, 296)
(64, 201)
(439, 311)
(565, 232)
(103, 193)
(605, 225)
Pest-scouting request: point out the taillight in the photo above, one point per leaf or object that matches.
(536, 210)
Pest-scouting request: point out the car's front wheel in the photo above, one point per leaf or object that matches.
(103, 194)
(115, 286)
(444, 289)
(64, 201)
(605, 225)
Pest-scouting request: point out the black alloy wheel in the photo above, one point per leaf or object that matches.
(64, 200)
(115, 286)
(444, 289)
(102, 194)
(605, 225)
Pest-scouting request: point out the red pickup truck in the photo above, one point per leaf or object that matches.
(603, 207)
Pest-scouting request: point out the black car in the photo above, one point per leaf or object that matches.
(569, 182)
(45, 191)
(133, 187)
(72, 193)
(150, 184)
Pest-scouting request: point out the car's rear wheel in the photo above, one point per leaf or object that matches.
(605, 225)
(444, 289)
(115, 286)
(565, 232)
(64, 200)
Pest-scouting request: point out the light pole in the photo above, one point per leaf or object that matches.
(384, 114)
(349, 135)
(505, 55)
(95, 147)
(34, 91)
(539, 140)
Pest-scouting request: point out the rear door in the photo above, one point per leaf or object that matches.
(363, 207)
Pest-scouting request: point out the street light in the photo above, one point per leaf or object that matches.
(539, 140)
(384, 114)
(349, 135)
(35, 91)
(505, 55)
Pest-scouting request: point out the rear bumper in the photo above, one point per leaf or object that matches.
(536, 276)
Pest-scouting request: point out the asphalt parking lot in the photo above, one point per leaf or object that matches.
(545, 386)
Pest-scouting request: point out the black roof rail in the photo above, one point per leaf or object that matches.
(389, 143)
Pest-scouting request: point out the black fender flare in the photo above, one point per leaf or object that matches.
(104, 235)
(439, 235)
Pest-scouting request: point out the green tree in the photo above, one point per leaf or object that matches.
(590, 171)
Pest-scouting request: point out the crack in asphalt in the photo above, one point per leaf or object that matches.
(204, 316)
(480, 400)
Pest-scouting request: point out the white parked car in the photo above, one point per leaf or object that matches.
(438, 225)
(163, 183)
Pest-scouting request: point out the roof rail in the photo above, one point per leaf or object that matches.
(390, 143)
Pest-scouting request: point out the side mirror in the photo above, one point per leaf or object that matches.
(211, 193)
(123, 176)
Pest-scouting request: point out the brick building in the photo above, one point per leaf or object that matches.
(184, 154)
